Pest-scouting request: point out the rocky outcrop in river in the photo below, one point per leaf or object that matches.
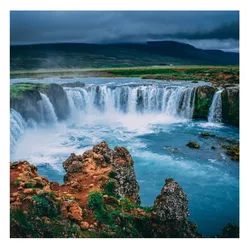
(230, 105)
(99, 198)
(203, 99)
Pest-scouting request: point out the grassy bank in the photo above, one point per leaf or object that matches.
(214, 74)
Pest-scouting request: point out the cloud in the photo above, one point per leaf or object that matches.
(28, 27)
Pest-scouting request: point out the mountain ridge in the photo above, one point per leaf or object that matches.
(83, 55)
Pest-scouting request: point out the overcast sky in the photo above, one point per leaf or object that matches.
(203, 29)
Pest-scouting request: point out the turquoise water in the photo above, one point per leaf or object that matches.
(209, 177)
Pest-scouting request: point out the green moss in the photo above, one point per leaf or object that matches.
(29, 225)
(109, 187)
(193, 145)
(112, 174)
(17, 90)
(230, 109)
(95, 201)
(17, 182)
(44, 206)
(203, 103)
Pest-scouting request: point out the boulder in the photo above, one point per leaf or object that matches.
(193, 145)
(230, 231)
(70, 209)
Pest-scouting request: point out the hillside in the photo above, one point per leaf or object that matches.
(54, 56)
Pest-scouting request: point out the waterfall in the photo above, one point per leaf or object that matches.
(17, 127)
(215, 110)
(175, 101)
(47, 110)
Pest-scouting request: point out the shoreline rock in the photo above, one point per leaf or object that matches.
(99, 198)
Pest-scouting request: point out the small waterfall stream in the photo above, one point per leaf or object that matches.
(215, 110)
(47, 110)
(17, 127)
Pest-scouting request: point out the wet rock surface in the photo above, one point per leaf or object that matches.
(203, 99)
(230, 106)
(194, 145)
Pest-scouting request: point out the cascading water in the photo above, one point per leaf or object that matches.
(47, 110)
(215, 110)
(17, 127)
(174, 101)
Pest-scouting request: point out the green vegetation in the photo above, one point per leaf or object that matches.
(17, 182)
(44, 206)
(109, 187)
(28, 225)
(95, 200)
(112, 174)
(115, 215)
(17, 90)
(215, 74)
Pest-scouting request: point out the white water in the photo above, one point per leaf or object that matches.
(47, 110)
(215, 110)
(145, 99)
(17, 127)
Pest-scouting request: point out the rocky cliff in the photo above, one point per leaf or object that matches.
(203, 99)
(230, 105)
(99, 198)
(25, 98)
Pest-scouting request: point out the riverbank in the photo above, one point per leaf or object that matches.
(218, 75)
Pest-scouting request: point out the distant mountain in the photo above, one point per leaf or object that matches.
(77, 55)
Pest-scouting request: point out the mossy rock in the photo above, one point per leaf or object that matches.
(232, 151)
(230, 106)
(206, 134)
(203, 99)
(17, 90)
(193, 145)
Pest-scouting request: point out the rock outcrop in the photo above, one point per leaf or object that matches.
(170, 214)
(203, 99)
(27, 104)
(25, 97)
(101, 160)
(100, 198)
(230, 106)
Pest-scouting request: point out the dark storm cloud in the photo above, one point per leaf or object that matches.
(27, 27)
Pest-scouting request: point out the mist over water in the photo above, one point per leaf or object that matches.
(154, 122)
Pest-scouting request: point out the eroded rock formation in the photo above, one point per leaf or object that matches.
(99, 198)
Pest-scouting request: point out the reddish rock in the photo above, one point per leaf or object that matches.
(84, 225)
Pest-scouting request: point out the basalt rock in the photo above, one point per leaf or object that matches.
(230, 106)
(170, 214)
(27, 105)
(127, 185)
(25, 97)
(193, 145)
(230, 231)
(203, 99)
